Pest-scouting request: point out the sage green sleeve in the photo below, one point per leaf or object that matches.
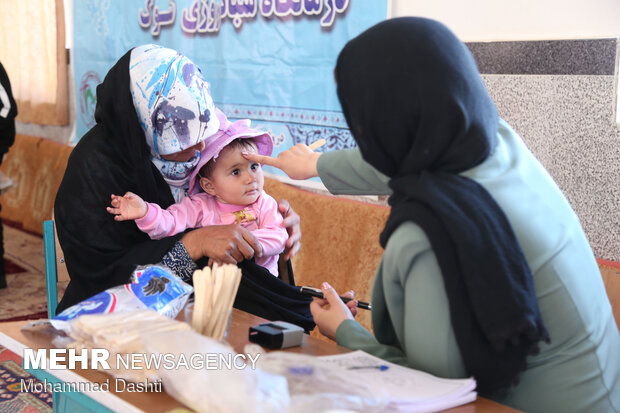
(344, 172)
(353, 335)
(410, 310)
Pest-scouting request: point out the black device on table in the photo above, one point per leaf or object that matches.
(276, 334)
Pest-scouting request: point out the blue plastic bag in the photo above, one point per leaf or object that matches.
(153, 287)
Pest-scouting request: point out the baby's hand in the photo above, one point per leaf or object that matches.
(128, 206)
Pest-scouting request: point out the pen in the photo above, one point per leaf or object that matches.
(315, 292)
(380, 367)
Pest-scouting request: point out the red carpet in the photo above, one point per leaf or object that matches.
(12, 399)
(25, 298)
(33, 316)
(12, 268)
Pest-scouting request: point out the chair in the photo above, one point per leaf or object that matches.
(56, 270)
(285, 270)
(55, 267)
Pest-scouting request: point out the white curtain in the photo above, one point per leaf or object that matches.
(32, 50)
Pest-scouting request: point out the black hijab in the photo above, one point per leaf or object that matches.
(419, 111)
(113, 158)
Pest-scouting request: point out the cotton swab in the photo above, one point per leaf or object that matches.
(214, 294)
(214, 299)
(199, 297)
(317, 144)
(234, 278)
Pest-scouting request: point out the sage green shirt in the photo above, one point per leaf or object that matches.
(579, 371)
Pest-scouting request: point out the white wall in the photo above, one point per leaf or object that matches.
(497, 20)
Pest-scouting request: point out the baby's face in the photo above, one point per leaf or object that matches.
(236, 180)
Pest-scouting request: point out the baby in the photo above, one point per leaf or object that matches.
(233, 193)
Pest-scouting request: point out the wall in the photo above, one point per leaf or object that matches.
(563, 107)
(474, 20)
(493, 20)
(559, 95)
(61, 134)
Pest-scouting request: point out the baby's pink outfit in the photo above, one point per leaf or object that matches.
(200, 209)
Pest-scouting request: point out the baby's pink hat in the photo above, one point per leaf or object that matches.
(228, 132)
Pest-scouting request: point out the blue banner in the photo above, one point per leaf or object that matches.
(268, 60)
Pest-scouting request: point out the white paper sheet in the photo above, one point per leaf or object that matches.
(408, 389)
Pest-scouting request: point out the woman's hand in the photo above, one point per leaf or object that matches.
(298, 162)
(228, 244)
(291, 223)
(352, 305)
(328, 313)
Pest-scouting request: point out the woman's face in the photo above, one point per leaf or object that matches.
(172, 101)
(180, 119)
(186, 154)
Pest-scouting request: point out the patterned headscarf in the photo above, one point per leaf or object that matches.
(174, 108)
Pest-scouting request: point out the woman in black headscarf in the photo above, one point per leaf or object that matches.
(153, 114)
(486, 270)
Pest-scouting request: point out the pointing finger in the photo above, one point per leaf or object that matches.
(266, 160)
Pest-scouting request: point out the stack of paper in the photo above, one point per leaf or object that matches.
(408, 390)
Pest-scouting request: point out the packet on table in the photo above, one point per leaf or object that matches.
(153, 287)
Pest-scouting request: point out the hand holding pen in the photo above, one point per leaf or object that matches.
(315, 292)
(331, 311)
